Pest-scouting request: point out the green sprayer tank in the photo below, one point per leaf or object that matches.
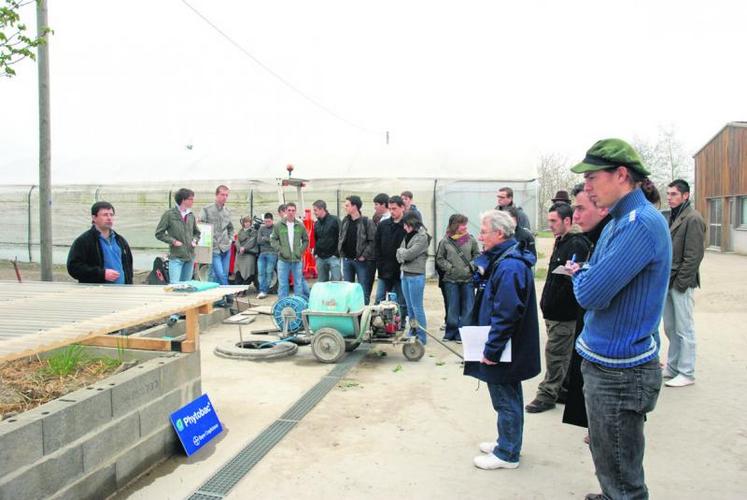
(335, 296)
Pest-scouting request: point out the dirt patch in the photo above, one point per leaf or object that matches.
(28, 383)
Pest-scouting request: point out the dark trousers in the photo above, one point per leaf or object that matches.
(617, 400)
(354, 270)
(459, 300)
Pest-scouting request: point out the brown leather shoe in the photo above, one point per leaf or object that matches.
(538, 406)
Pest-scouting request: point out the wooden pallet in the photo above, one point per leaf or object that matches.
(40, 316)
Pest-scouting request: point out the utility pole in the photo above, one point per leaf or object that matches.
(45, 146)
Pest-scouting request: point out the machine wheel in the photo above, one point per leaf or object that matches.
(351, 345)
(257, 350)
(328, 346)
(413, 351)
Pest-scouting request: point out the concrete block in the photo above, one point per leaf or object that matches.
(45, 477)
(74, 415)
(135, 387)
(179, 370)
(96, 485)
(143, 455)
(156, 414)
(196, 390)
(21, 443)
(109, 441)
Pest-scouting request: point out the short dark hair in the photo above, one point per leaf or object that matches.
(220, 188)
(182, 195)
(681, 185)
(381, 199)
(455, 221)
(578, 188)
(563, 209)
(290, 204)
(397, 200)
(509, 192)
(407, 193)
(101, 205)
(320, 204)
(269, 215)
(355, 200)
(282, 207)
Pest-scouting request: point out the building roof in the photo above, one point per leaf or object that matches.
(737, 124)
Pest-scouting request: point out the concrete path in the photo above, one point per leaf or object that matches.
(395, 429)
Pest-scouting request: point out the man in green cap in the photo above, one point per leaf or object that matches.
(622, 288)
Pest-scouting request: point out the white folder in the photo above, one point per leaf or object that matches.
(473, 343)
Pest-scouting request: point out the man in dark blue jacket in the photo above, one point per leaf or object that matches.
(508, 304)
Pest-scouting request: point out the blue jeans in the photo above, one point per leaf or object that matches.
(265, 266)
(354, 270)
(459, 300)
(328, 269)
(219, 267)
(385, 285)
(180, 270)
(679, 327)
(285, 269)
(617, 401)
(413, 288)
(508, 403)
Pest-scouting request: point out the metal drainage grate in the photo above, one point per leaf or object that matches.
(235, 469)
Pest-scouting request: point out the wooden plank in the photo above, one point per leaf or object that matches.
(129, 342)
(192, 329)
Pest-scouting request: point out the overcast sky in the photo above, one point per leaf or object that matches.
(466, 89)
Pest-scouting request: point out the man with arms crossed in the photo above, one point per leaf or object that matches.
(622, 288)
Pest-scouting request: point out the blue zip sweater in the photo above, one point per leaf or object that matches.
(624, 285)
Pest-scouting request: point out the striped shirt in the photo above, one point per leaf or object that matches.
(624, 285)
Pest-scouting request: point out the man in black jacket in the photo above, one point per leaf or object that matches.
(356, 246)
(326, 236)
(100, 255)
(559, 306)
(389, 236)
(592, 220)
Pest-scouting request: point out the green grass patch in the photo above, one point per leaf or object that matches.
(540, 273)
(74, 358)
(545, 234)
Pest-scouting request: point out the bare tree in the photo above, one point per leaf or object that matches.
(554, 174)
(666, 158)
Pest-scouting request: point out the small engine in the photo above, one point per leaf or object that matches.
(385, 318)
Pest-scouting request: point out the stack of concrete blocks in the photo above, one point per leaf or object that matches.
(94, 441)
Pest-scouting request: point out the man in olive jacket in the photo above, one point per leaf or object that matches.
(178, 229)
(687, 228)
(290, 240)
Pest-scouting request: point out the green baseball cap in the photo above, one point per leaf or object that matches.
(611, 153)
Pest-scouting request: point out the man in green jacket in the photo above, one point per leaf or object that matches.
(687, 229)
(290, 240)
(178, 229)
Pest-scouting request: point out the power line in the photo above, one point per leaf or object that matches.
(276, 75)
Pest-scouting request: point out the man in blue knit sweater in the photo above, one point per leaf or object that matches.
(622, 288)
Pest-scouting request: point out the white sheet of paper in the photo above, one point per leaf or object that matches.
(562, 270)
(473, 343)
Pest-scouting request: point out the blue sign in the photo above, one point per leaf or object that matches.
(196, 424)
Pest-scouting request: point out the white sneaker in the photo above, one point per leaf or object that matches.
(261, 295)
(679, 381)
(487, 446)
(490, 462)
(667, 373)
